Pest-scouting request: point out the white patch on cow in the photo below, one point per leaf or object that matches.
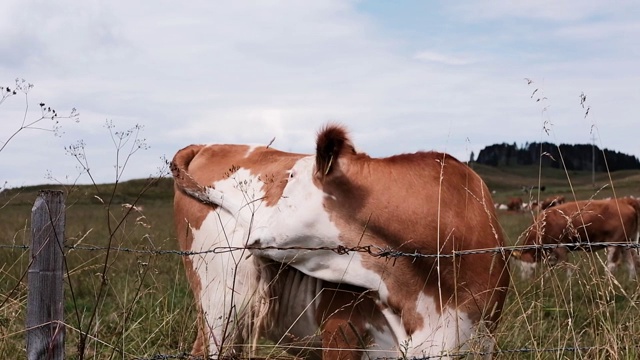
(446, 329)
(300, 220)
(228, 278)
(387, 343)
(527, 269)
(384, 343)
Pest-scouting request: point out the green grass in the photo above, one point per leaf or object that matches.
(147, 307)
(588, 309)
(572, 305)
(507, 182)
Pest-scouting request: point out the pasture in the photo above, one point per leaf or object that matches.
(143, 306)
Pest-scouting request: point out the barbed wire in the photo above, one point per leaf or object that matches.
(183, 355)
(461, 354)
(373, 250)
(14, 247)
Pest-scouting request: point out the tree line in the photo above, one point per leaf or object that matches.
(576, 157)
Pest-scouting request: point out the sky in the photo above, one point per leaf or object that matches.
(149, 78)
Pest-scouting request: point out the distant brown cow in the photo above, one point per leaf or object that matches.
(552, 201)
(514, 204)
(580, 224)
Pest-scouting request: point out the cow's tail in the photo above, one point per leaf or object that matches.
(635, 255)
(635, 204)
(183, 182)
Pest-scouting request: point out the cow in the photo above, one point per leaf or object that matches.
(327, 220)
(580, 224)
(240, 297)
(534, 205)
(552, 201)
(514, 204)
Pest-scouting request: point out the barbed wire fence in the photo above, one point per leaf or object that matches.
(371, 250)
(375, 251)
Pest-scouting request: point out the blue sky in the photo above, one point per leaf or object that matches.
(403, 76)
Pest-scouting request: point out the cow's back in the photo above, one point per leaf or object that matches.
(429, 203)
(611, 220)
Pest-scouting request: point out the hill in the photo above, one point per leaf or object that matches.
(149, 190)
(572, 157)
(503, 180)
(507, 181)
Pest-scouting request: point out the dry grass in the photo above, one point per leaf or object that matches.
(575, 305)
(578, 308)
(147, 307)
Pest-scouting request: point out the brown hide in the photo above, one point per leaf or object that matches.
(426, 202)
(582, 222)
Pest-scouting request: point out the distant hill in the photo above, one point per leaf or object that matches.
(506, 181)
(575, 157)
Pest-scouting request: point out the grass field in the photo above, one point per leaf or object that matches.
(146, 307)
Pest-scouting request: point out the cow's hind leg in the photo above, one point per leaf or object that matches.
(623, 254)
(614, 254)
(560, 255)
(633, 262)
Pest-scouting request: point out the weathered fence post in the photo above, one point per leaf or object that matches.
(45, 299)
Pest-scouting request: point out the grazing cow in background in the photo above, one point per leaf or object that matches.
(424, 203)
(545, 204)
(552, 201)
(582, 223)
(514, 204)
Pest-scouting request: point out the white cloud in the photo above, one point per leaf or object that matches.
(431, 56)
(246, 72)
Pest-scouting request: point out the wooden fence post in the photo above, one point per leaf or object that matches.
(45, 298)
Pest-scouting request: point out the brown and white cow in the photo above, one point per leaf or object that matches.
(240, 297)
(580, 224)
(424, 203)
